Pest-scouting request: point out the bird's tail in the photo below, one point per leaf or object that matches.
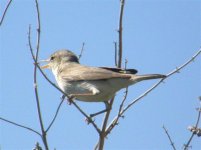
(137, 78)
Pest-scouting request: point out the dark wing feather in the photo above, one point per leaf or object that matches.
(77, 72)
(121, 70)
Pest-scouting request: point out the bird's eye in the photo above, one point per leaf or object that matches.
(51, 58)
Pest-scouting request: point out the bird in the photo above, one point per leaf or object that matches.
(91, 84)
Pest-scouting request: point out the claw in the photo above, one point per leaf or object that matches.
(69, 102)
(89, 120)
(70, 99)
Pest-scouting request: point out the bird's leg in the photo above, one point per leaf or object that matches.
(107, 108)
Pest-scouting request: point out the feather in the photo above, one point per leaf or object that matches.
(77, 72)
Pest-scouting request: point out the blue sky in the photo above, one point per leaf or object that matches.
(158, 36)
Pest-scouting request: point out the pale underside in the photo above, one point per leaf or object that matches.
(96, 84)
(98, 90)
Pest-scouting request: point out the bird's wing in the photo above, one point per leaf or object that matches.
(121, 70)
(77, 72)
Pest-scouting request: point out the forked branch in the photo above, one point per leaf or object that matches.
(113, 123)
(103, 134)
(44, 137)
(194, 129)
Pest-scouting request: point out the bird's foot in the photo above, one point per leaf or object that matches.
(89, 119)
(70, 99)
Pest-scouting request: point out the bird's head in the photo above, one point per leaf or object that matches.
(60, 57)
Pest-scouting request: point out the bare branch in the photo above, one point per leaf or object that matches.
(21, 126)
(102, 136)
(141, 96)
(126, 93)
(38, 30)
(185, 64)
(43, 135)
(115, 54)
(168, 135)
(113, 122)
(35, 78)
(194, 129)
(55, 116)
(104, 125)
(44, 138)
(158, 83)
(4, 13)
(122, 103)
(116, 119)
(125, 65)
(87, 117)
(82, 49)
(120, 32)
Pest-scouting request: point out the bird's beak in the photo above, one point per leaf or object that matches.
(45, 66)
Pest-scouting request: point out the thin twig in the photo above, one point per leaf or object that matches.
(115, 121)
(161, 81)
(120, 32)
(185, 64)
(151, 89)
(44, 138)
(4, 13)
(126, 92)
(36, 88)
(186, 146)
(115, 54)
(141, 96)
(87, 117)
(22, 126)
(123, 101)
(55, 116)
(125, 96)
(125, 64)
(82, 49)
(104, 125)
(106, 117)
(110, 127)
(168, 135)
